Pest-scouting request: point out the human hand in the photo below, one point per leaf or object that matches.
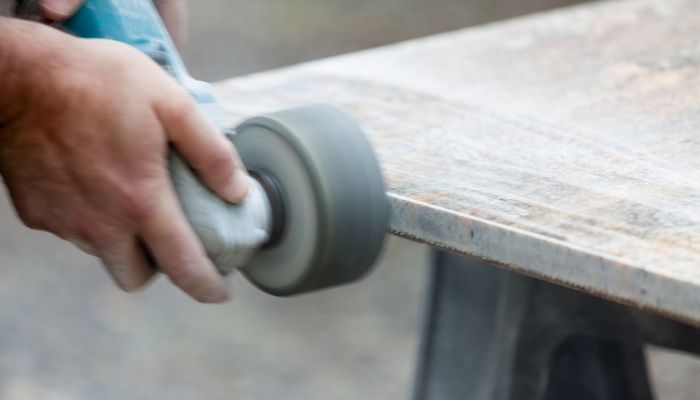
(173, 13)
(83, 149)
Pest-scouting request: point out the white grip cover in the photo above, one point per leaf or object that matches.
(229, 232)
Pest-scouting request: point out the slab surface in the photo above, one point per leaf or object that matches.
(563, 145)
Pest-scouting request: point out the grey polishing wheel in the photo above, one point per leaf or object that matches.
(331, 194)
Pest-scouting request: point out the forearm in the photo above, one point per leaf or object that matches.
(27, 50)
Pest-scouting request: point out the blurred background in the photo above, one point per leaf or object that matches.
(67, 333)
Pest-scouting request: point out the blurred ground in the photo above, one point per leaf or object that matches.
(67, 333)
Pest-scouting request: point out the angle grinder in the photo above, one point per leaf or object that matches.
(316, 212)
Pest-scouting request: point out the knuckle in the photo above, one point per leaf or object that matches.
(137, 208)
(119, 50)
(137, 201)
(83, 245)
(97, 233)
(178, 106)
(59, 229)
(32, 218)
(219, 165)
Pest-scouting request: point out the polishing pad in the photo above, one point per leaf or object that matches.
(325, 183)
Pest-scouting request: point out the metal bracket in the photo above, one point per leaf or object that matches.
(491, 334)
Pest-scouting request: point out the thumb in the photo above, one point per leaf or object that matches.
(206, 150)
(58, 10)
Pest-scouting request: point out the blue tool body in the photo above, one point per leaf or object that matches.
(138, 24)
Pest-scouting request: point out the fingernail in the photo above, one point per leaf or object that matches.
(60, 7)
(238, 188)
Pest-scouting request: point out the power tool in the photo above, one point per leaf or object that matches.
(317, 211)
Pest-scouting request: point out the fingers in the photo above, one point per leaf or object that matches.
(179, 253)
(126, 262)
(85, 247)
(206, 150)
(58, 10)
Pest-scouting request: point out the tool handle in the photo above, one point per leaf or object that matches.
(229, 233)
